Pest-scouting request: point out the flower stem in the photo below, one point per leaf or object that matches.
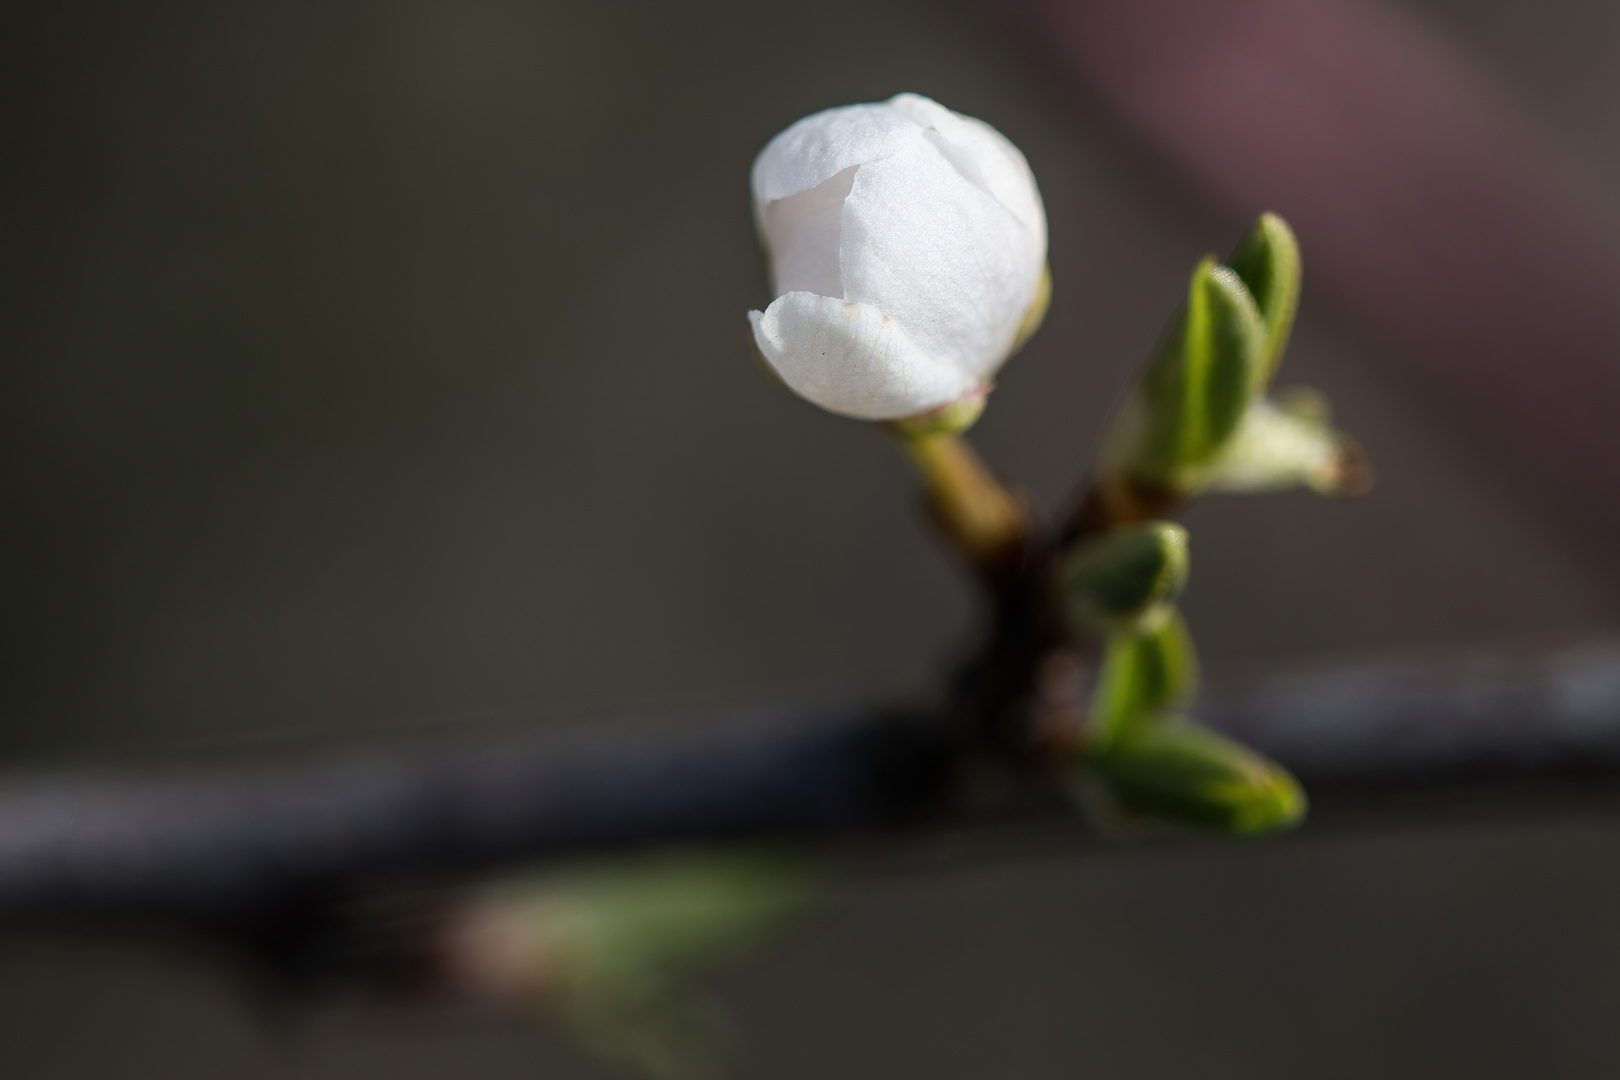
(983, 518)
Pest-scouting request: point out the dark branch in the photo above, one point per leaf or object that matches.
(210, 842)
(1489, 718)
(223, 842)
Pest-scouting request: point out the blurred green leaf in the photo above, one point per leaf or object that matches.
(1192, 775)
(1124, 581)
(674, 912)
(617, 947)
(1142, 675)
(1267, 259)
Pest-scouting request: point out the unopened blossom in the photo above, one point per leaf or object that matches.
(907, 246)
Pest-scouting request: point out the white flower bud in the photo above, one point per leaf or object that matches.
(907, 245)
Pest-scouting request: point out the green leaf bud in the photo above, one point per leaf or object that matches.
(1126, 580)
(1193, 395)
(1267, 259)
(1192, 775)
(1142, 675)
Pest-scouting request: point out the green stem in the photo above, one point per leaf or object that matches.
(979, 514)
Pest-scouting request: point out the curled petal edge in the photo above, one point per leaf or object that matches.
(852, 359)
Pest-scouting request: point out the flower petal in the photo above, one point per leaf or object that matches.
(851, 358)
(802, 232)
(940, 256)
(828, 142)
(983, 155)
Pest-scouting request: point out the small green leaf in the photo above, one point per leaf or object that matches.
(1210, 367)
(1267, 260)
(1281, 446)
(1190, 774)
(1142, 675)
(1125, 580)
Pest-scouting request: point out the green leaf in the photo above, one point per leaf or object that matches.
(1210, 367)
(1281, 445)
(1267, 259)
(1192, 775)
(1142, 675)
(1125, 580)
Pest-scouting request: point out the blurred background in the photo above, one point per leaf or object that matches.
(373, 366)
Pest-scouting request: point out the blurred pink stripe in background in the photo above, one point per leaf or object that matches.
(1433, 211)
